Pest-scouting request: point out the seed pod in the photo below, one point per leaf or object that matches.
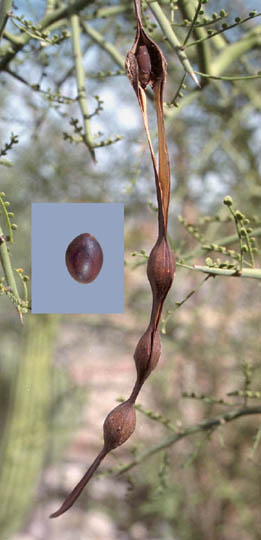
(161, 268)
(119, 425)
(147, 354)
(145, 63)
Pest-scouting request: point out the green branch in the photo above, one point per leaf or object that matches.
(221, 242)
(7, 217)
(4, 9)
(46, 21)
(254, 273)
(222, 30)
(7, 267)
(232, 78)
(228, 55)
(110, 11)
(206, 425)
(80, 77)
(9, 275)
(9, 287)
(172, 39)
(189, 9)
(234, 51)
(108, 47)
(50, 7)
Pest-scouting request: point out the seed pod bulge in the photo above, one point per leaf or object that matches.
(161, 268)
(147, 353)
(119, 425)
(84, 258)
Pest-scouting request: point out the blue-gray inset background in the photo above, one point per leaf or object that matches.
(54, 226)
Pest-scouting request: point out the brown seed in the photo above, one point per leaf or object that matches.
(84, 258)
(144, 63)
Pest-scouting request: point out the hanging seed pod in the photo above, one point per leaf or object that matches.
(147, 354)
(145, 65)
(161, 268)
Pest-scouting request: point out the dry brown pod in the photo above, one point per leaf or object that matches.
(145, 64)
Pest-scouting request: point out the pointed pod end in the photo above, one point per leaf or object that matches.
(55, 514)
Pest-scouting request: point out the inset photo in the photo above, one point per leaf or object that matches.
(77, 258)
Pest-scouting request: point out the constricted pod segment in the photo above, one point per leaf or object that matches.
(161, 268)
(147, 354)
(84, 258)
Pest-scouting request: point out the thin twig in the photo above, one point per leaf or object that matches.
(4, 9)
(98, 38)
(193, 23)
(80, 77)
(226, 78)
(173, 40)
(206, 425)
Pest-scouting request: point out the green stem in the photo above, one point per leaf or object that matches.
(220, 32)
(80, 77)
(111, 11)
(173, 101)
(108, 47)
(45, 22)
(232, 78)
(5, 213)
(191, 430)
(228, 55)
(50, 7)
(194, 19)
(188, 296)
(221, 242)
(4, 8)
(254, 273)
(234, 51)
(7, 267)
(241, 243)
(172, 39)
(250, 251)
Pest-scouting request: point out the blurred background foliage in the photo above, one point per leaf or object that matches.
(60, 375)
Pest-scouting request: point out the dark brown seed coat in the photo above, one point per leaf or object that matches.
(84, 258)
